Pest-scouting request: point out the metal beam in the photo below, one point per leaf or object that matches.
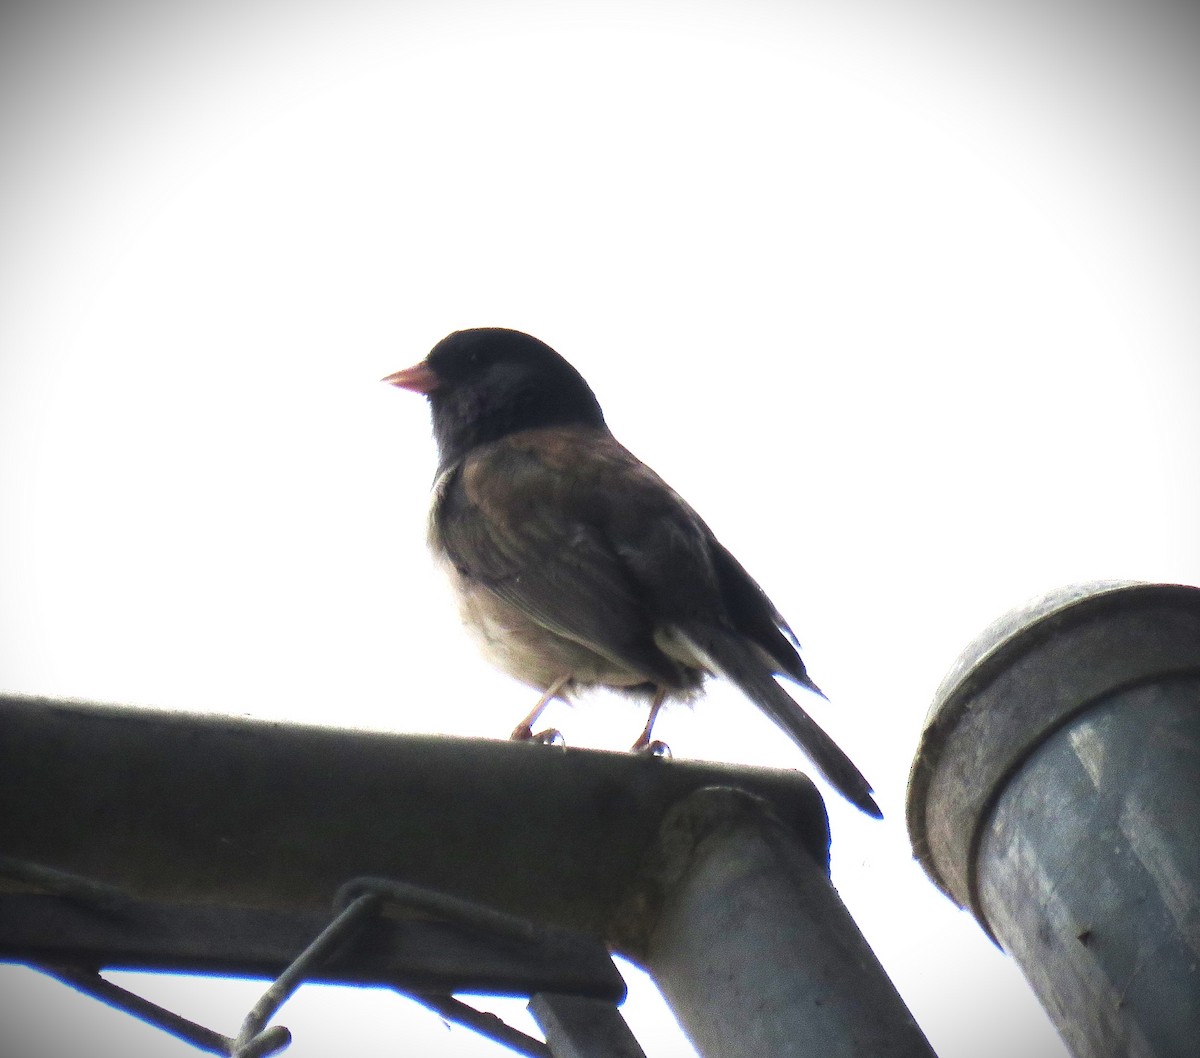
(198, 809)
(220, 844)
(415, 955)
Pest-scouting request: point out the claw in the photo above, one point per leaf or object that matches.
(551, 737)
(523, 732)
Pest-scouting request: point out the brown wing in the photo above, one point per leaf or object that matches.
(560, 524)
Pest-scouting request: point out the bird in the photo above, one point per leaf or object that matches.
(576, 566)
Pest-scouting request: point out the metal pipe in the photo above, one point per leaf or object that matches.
(753, 949)
(1055, 794)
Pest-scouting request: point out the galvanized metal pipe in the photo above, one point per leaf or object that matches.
(752, 947)
(1056, 794)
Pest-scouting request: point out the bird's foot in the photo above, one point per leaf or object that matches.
(656, 748)
(551, 736)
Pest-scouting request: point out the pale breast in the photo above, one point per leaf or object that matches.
(519, 646)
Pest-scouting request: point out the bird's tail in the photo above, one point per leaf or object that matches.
(731, 656)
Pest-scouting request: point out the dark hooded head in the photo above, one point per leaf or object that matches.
(488, 382)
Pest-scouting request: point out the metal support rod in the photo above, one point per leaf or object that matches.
(579, 1027)
(484, 1023)
(347, 923)
(752, 947)
(168, 1021)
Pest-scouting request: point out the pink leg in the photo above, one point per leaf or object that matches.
(643, 741)
(523, 732)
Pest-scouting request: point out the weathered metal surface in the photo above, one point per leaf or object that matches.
(180, 808)
(754, 950)
(1056, 794)
(220, 845)
(1090, 874)
(414, 955)
(578, 1027)
(1020, 681)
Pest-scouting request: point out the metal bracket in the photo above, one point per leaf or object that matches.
(86, 925)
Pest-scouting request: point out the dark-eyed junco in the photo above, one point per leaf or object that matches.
(575, 564)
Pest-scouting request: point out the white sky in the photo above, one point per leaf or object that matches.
(902, 300)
